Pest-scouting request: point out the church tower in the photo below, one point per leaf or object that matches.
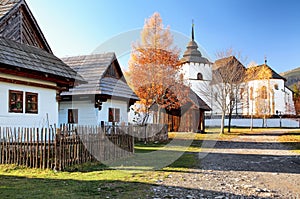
(197, 70)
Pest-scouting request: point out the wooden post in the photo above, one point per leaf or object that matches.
(31, 148)
(56, 150)
(37, 148)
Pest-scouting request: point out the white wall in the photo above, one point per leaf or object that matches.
(46, 105)
(89, 115)
(113, 103)
(200, 87)
(283, 97)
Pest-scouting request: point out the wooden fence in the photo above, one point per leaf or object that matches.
(58, 148)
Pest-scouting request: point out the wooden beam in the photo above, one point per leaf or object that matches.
(21, 82)
(36, 75)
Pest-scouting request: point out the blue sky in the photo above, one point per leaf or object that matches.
(256, 28)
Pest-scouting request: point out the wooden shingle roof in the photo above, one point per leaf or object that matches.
(198, 102)
(6, 6)
(18, 23)
(13, 54)
(95, 70)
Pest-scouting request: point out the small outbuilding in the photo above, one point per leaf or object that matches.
(104, 100)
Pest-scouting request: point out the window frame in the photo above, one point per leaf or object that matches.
(199, 76)
(36, 103)
(11, 101)
(114, 114)
(73, 116)
(263, 92)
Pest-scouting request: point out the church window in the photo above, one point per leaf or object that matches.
(242, 93)
(263, 92)
(276, 87)
(216, 96)
(199, 76)
(251, 93)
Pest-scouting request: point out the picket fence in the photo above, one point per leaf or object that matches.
(59, 148)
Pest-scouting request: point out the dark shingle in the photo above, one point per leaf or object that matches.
(92, 68)
(6, 6)
(32, 58)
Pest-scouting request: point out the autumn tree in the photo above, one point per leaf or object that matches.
(261, 94)
(228, 76)
(296, 97)
(155, 69)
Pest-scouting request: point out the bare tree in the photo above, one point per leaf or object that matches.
(227, 79)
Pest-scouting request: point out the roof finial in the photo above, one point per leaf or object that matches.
(193, 29)
(265, 60)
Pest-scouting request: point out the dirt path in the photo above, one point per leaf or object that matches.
(248, 166)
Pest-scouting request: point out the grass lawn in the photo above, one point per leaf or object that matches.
(98, 181)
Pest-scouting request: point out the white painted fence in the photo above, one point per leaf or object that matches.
(245, 122)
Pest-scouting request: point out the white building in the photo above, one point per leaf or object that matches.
(199, 72)
(270, 96)
(31, 77)
(104, 100)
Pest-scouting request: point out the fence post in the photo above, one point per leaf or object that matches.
(57, 165)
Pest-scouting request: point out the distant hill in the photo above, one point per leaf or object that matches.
(292, 76)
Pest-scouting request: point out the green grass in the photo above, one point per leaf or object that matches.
(94, 180)
(292, 140)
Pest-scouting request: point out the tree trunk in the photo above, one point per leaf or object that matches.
(229, 121)
(222, 123)
(251, 123)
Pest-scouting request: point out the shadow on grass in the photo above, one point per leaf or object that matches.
(22, 187)
(226, 161)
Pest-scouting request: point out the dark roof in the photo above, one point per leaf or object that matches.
(32, 58)
(227, 62)
(198, 102)
(6, 6)
(26, 29)
(274, 74)
(93, 69)
(192, 54)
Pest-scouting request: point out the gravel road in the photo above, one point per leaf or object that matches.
(248, 166)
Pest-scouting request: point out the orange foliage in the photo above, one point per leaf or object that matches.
(155, 69)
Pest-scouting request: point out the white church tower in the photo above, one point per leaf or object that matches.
(197, 70)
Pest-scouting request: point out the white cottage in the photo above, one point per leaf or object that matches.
(104, 100)
(31, 77)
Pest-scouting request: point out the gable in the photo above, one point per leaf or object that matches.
(113, 70)
(103, 74)
(18, 24)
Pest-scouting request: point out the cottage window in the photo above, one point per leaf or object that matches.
(113, 115)
(276, 87)
(15, 101)
(31, 103)
(199, 76)
(73, 116)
